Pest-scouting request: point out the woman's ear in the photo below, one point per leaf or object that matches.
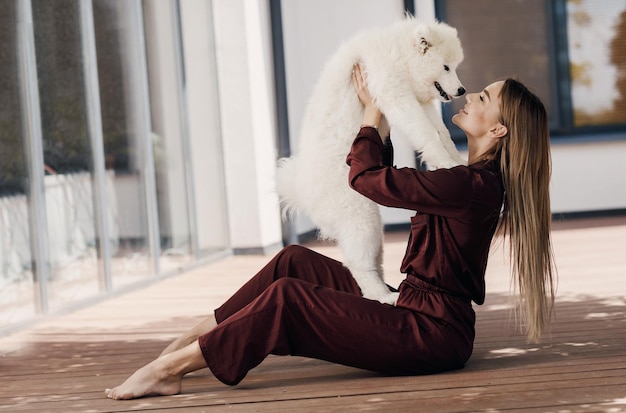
(498, 131)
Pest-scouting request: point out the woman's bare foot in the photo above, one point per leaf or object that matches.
(152, 379)
(162, 376)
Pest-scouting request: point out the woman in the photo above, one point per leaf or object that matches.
(305, 304)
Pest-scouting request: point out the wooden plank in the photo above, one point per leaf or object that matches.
(272, 380)
(588, 391)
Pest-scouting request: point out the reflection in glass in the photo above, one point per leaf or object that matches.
(168, 137)
(16, 278)
(596, 34)
(67, 153)
(122, 135)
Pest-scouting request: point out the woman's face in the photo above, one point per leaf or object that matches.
(481, 113)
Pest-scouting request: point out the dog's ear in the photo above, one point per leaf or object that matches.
(422, 42)
(424, 45)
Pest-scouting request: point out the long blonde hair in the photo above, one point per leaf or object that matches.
(525, 163)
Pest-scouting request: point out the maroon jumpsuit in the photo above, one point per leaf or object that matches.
(305, 304)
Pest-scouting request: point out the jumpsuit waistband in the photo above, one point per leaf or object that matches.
(420, 284)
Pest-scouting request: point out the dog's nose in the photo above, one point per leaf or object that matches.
(460, 91)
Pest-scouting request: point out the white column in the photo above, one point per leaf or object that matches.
(204, 129)
(425, 10)
(244, 67)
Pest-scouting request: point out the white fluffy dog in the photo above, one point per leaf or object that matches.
(409, 66)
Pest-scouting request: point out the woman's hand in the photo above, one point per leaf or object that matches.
(360, 86)
(372, 115)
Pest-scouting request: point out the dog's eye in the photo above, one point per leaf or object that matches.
(446, 68)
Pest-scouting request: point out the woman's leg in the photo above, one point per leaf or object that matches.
(293, 261)
(192, 335)
(302, 319)
(162, 376)
(299, 318)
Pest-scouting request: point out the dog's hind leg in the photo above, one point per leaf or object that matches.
(362, 247)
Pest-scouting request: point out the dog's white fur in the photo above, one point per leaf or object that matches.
(402, 63)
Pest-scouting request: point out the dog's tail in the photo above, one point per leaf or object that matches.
(287, 188)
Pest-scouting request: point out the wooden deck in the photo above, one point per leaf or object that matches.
(64, 363)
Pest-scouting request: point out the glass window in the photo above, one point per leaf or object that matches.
(506, 38)
(571, 53)
(123, 137)
(168, 132)
(16, 277)
(67, 153)
(596, 41)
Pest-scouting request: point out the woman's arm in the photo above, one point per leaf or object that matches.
(446, 192)
(442, 192)
(387, 152)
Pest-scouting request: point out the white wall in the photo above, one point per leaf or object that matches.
(588, 176)
(245, 74)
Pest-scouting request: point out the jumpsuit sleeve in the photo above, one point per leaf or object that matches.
(388, 152)
(445, 192)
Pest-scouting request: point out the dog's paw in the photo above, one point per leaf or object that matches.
(460, 159)
(390, 298)
(449, 163)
